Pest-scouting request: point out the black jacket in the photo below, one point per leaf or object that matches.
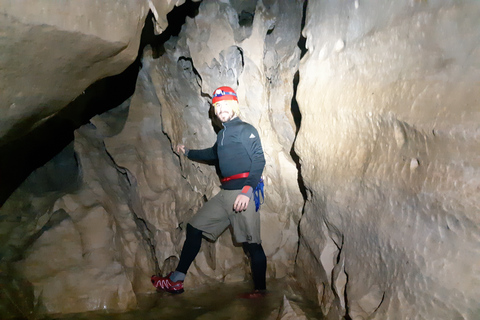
(238, 149)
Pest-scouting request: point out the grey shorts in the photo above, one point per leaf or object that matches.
(217, 214)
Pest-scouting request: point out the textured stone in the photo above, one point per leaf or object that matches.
(186, 69)
(51, 53)
(387, 144)
(290, 311)
(96, 257)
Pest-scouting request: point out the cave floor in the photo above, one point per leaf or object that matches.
(215, 302)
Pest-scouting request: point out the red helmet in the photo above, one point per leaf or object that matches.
(224, 93)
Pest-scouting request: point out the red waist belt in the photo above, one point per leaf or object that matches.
(235, 176)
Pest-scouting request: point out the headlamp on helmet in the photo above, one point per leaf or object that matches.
(224, 93)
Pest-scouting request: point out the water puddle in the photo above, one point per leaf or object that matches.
(216, 302)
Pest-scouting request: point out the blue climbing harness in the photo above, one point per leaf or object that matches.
(257, 193)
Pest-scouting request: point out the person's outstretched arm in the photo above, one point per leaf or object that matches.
(209, 154)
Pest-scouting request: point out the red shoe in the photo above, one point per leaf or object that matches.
(253, 295)
(164, 283)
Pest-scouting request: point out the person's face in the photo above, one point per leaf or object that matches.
(224, 110)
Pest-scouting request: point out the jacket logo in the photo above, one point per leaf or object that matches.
(252, 136)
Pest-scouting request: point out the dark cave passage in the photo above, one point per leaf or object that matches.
(20, 157)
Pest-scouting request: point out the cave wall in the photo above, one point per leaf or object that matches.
(51, 53)
(387, 151)
(123, 215)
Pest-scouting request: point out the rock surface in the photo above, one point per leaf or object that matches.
(388, 144)
(380, 221)
(143, 194)
(51, 53)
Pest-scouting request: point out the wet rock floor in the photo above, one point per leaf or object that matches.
(216, 302)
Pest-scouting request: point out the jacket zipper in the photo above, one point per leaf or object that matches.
(223, 137)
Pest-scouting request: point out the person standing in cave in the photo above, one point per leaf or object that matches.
(239, 153)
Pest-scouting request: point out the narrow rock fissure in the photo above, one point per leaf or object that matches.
(345, 297)
(302, 41)
(297, 117)
(380, 304)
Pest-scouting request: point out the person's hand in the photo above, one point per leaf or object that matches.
(241, 203)
(180, 147)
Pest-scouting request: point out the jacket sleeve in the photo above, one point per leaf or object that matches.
(209, 154)
(253, 146)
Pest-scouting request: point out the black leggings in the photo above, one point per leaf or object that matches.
(192, 245)
(258, 262)
(190, 248)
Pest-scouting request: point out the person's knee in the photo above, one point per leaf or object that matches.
(194, 232)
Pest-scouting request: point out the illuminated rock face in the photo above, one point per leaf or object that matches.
(388, 143)
(142, 193)
(51, 53)
(389, 98)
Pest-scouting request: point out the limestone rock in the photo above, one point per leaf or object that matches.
(187, 69)
(51, 53)
(387, 143)
(96, 256)
(290, 311)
